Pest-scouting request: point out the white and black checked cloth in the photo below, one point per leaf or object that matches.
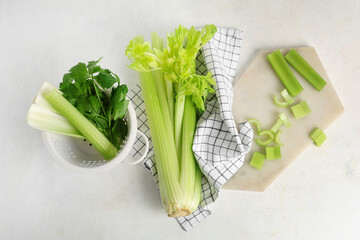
(218, 145)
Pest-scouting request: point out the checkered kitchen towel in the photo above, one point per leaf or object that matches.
(218, 145)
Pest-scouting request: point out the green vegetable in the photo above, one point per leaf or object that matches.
(84, 87)
(80, 122)
(318, 136)
(300, 110)
(188, 176)
(46, 120)
(257, 160)
(277, 138)
(277, 126)
(282, 120)
(273, 153)
(287, 97)
(256, 123)
(177, 93)
(283, 71)
(304, 68)
(265, 142)
(279, 103)
(164, 147)
(285, 120)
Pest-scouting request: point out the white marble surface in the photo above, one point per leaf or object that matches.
(317, 197)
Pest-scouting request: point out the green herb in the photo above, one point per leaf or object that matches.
(84, 87)
(304, 68)
(284, 73)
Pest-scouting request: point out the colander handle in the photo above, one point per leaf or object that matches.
(143, 155)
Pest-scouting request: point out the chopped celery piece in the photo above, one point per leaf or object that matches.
(256, 123)
(284, 72)
(81, 123)
(285, 120)
(263, 143)
(304, 68)
(285, 94)
(257, 160)
(300, 110)
(318, 136)
(277, 138)
(50, 121)
(279, 103)
(277, 126)
(273, 153)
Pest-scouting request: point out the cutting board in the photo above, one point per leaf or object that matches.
(253, 98)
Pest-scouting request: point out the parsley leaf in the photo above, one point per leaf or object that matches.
(81, 88)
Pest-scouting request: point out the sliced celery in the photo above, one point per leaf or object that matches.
(273, 153)
(80, 122)
(285, 74)
(50, 121)
(279, 103)
(263, 143)
(318, 136)
(300, 110)
(257, 160)
(285, 120)
(256, 123)
(277, 126)
(277, 138)
(304, 68)
(285, 94)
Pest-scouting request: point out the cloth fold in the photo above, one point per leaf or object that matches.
(219, 146)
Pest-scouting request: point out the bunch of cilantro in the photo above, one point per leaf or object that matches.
(97, 93)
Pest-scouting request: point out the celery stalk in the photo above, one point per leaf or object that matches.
(165, 151)
(285, 74)
(197, 190)
(179, 114)
(170, 99)
(157, 43)
(304, 68)
(50, 121)
(41, 101)
(80, 122)
(188, 162)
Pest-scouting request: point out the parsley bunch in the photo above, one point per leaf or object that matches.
(96, 92)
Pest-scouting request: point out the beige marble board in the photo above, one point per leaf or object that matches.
(253, 95)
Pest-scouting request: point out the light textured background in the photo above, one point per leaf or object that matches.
(318, 196)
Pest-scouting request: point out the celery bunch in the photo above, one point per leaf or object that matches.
(172, 93)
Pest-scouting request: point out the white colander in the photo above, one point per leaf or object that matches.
(80, 156)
